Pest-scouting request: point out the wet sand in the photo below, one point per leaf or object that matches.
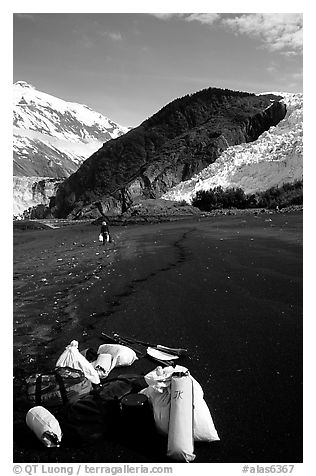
(227, 288)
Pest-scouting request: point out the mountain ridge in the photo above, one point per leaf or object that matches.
(175, 143)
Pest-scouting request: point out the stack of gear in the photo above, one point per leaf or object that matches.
(167, 398)
(179, 409)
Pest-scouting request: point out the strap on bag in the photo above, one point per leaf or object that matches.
(38, 390)
(62, 387)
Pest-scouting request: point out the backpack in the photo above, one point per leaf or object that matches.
(91, 417)
(58, 387)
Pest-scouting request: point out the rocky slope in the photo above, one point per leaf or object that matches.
(276, 157)
(179, 141)
(52, 137)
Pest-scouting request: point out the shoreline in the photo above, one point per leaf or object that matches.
(228, 289)
(119, 220)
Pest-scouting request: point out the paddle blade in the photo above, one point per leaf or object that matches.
(158, 354)
(172, 351)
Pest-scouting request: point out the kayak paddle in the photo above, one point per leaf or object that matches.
(158, 356)
(170, 350)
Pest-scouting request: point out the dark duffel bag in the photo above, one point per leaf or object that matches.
(94, 416)
(117, 387)
(56, 388)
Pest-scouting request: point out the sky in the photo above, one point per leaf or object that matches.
(127, 66)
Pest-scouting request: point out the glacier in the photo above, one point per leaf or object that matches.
(275, 158)
(31, 191)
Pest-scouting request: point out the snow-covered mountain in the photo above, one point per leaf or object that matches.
(276, 157)
(51, 138)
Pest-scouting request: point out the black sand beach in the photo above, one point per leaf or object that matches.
(227, 288)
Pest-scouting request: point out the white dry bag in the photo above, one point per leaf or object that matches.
(120, 355)
(71, 357)
(103, 365)
(159, 395)
(44, 425)
(180, 432)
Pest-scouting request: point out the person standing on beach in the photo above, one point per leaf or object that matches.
(105, 232)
